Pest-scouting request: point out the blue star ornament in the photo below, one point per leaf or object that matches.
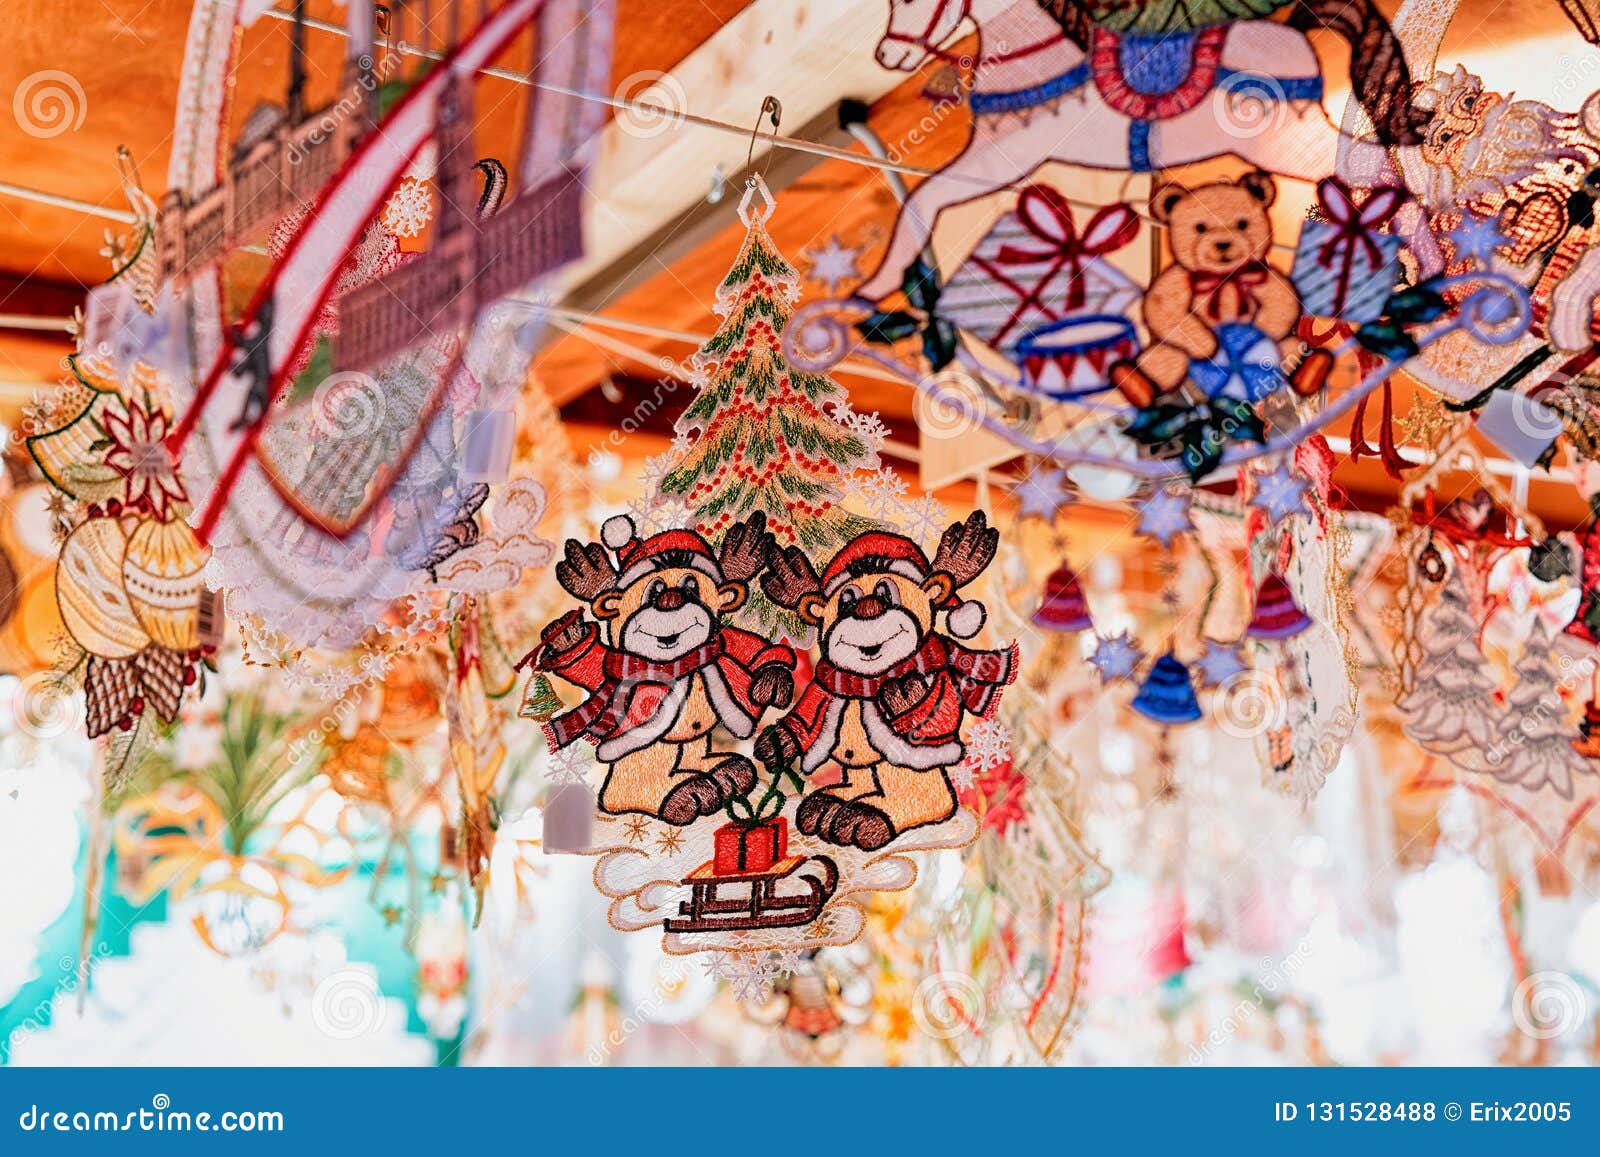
(1116, 657)
(1280, 492)
(1165, 515)
(1043, 493)
(1220, 663)
(1476, 238)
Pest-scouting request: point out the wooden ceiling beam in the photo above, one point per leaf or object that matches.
(704, 219)
(808, 53)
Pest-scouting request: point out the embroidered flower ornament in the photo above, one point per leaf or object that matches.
(139, 453)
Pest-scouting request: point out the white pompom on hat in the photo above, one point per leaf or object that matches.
(617, 531)
(967, 619)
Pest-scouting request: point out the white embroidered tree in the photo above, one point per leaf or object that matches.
(1538, 739)
(1452, 707)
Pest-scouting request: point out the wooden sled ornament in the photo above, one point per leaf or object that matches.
(763, 907)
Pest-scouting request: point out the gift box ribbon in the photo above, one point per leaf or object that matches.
(1045, 214)
(1353, 230)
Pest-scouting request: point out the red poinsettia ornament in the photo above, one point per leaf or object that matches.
(137, 450)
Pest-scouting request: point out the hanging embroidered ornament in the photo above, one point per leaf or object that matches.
(342, 437)
(1167, 694)
(1276, 615)
(1493, 177)
(1299, 699)
(1522, 755)
(1064, 607)
(721, 850)
(128, 579)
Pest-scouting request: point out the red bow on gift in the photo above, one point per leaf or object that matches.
(1045, 213)
(1353, 229)
(1237, 283)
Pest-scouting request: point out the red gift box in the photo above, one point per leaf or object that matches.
(1033, 267)
(739, 849)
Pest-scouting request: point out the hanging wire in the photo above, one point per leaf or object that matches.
(675, 116)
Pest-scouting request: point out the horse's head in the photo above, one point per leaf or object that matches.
(916, 27)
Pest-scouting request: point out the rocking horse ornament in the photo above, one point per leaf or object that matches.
(1050, 83)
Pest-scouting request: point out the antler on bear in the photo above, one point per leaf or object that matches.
(745, 548)
(966, 548)
(586, 572)
(790, 577)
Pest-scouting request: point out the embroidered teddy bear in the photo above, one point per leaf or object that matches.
(890, 693)
(1219, 315)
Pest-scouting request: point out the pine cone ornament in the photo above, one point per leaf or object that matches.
(160, 671)
(109, 688)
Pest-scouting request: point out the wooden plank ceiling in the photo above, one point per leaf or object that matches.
(663, 261)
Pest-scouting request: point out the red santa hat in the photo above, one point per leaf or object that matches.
(637, 557)
(879, 551)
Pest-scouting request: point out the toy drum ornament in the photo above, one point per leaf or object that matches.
(1069, 358)
(94, 604)
(161, 573)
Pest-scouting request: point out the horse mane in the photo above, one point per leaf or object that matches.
(1073, 18)
(1379, 75)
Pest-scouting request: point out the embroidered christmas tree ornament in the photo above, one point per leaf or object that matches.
(739, 810)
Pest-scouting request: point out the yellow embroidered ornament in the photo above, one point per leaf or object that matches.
(94, 604)
(161, 573)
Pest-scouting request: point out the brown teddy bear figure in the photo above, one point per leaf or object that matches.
(1219, 286)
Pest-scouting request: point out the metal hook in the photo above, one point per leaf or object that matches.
(772, 107)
